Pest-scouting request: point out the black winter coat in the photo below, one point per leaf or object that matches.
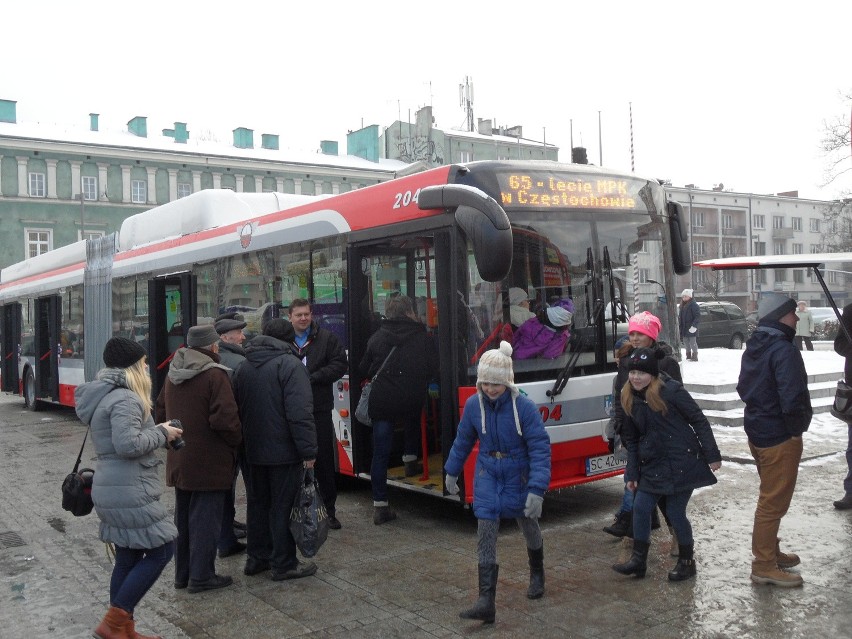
(842, 346)
(326, 362)
(773, 384)
(400, 389)
(274, 396)
(690, 315)
(669, 453)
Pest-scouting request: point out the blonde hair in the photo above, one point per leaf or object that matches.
(139, 381)
(652, 396)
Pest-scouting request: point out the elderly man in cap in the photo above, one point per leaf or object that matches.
(773, 384)
(690, 315)
(198, 393)
(230, 327)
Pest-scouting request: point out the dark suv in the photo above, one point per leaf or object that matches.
(722, 324)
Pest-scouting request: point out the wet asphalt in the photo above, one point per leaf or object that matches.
(411, 577)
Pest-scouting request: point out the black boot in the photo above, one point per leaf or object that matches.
(536, 589)
(622, 526)
(685, 567)
(484, 608)
(638, 562)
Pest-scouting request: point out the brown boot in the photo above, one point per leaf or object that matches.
(775, 576)
(784, 559)
(131, 631)
(113, 625)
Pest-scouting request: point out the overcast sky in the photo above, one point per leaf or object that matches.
(733, 92)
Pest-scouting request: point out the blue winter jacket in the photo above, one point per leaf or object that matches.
(690, 315)
(773, 384)
(501, 485)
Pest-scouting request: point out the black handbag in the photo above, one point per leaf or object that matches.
(362, 411)
(77, 487)
(842, 407)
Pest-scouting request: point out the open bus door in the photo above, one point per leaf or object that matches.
(11, 331)
(417, 266)
(43, 382)
(171, 313)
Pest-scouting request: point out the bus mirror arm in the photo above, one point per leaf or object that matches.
(482, 219)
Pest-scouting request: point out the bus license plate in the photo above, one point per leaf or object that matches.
(603, 464)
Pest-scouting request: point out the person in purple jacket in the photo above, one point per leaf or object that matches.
(512, 471)
(546, 334)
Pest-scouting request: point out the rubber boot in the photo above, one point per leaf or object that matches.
(685, 566)
(622, 526)
(638, 562)
(536, 589)
(113, 625)
(484, 608)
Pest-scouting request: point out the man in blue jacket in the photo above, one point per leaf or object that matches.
(773, 384)
(690, 315)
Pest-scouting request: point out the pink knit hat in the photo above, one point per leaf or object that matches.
(645, 323)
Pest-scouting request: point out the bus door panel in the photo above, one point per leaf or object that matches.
(11, 339)
(171, 312)
(47, 346)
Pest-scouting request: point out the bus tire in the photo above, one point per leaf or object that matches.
(30, 400)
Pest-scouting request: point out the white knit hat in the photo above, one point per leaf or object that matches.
(517, 295)
(495, 367)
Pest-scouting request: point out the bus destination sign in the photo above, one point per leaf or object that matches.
(551, 190)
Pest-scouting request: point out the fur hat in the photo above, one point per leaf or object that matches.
(645, 323)
(495, 367)
(560, 314)
(225, 325)
(121, 352)
(202, 336)
(645, 360)
(517, 295)
(773, 306)
(687, 292)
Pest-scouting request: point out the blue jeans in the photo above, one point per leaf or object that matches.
(847, 482)
(627, 500)
(382, 443)
(134, 573)
(644, 504)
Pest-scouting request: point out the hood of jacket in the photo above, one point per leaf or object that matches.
(263, 348)
(87, 398)
(189, 362)
(764, 336)
(401, 329)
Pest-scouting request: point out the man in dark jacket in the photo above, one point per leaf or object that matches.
(273, 392)
(322, 354)
(198, 393)
(844, 348)
(230, 327)
(773, 384)
(690, 315)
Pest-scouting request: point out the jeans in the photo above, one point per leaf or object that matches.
(847, 482)
(690, 342)
(382, 443)
(324, 469)
(271, 493)
(627, 500)
(198, 517)
(675, 510)
(134, 573)
(778, 468)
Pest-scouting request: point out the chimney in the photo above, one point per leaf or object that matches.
(328, 147)
(244, 138)
(138, 126)
(93, 122)
(7, 111)
(578, 155)
(269, 141)
(364, 143)
(484, 127)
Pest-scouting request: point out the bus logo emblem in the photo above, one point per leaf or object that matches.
(245, 235)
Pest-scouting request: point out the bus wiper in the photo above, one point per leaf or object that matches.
(566, 373)
(613, 314)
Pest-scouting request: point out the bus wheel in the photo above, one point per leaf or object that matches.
(30, 400)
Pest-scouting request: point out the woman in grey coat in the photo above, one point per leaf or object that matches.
(127, 485)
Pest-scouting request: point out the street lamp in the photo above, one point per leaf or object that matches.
(662, 288)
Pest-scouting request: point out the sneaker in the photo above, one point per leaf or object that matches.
(255, 566)
(334, 523)
(216, 581)
(777, 577)
(845, 503)
(236, 549)
(302, 569)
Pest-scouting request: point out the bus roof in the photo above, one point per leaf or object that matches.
(800, 260)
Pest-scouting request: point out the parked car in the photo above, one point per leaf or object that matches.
(722, 324)
(825, 322)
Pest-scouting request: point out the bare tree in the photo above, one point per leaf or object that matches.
(836, 143)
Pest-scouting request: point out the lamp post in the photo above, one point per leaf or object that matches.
(662, 298)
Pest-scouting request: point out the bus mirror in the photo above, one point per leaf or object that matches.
(680, 238)
(484, 222)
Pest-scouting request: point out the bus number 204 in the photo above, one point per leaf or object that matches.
(404, 199)
(550, 412)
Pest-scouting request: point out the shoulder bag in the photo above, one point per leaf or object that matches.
(362, 411)
(77, 487)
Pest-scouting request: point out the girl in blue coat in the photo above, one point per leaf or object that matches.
(512, 471)
(671, 451)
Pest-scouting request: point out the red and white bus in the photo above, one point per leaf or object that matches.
(455, 239)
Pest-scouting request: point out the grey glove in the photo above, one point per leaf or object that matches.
(533, 506)
(452, 484)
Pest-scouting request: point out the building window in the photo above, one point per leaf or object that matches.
(798, 276)
(778, 221)
(727, 221)
(465, 156)
(699, 275)
(833, 227)
(89, 186)
(798, 249)
(644, 274)
(89, 235)
(729, 277)
(727, 249)
(759, 276)
(184, 189)
(797, 224)
(831, 277)
(814, 225)
(760, 248)
(758, 222)
(138, 191)
(778, 248)
(643, 248)
(38, 241)
(780, 274)
(816, 248)
(698, 248)
(698, 219)
(37, 188)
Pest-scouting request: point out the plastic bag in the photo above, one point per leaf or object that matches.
(308, 517)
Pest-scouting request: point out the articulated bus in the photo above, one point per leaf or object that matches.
(455, 239)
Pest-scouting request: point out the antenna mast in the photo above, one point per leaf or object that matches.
(466, 101)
